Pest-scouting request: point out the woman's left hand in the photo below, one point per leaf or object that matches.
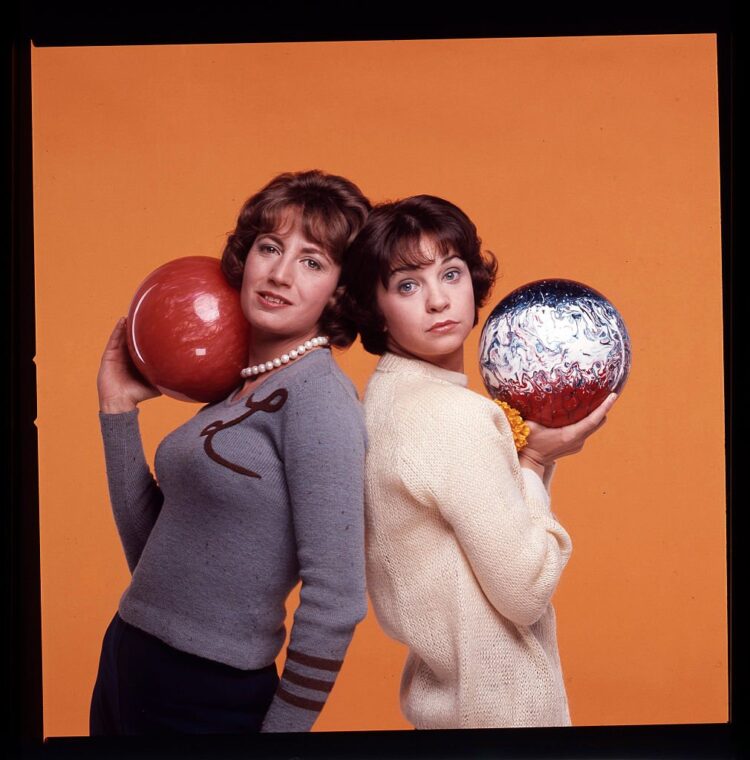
(545, 444)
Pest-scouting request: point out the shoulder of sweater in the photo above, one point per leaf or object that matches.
(433, 430)
(323, 384)
(440, 401)
(423, 409)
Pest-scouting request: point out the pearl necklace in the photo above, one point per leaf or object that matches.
(295, 353)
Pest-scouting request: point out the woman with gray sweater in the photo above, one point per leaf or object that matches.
(249, 496)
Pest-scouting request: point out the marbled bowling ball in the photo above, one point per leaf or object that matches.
(554, 350)
(186, 331)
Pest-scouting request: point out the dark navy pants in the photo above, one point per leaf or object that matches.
(146, 687)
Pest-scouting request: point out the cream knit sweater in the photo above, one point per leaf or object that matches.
(463, 553)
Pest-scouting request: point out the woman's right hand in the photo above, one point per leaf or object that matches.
(121, 388)
(545, 445)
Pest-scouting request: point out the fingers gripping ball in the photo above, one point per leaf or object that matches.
(186, 331)
(554, 350)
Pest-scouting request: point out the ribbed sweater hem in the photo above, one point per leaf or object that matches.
(173, 628)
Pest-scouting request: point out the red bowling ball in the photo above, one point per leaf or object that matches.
(186, 331)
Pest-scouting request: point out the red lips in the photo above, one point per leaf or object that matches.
(269, 297)
(440, 325)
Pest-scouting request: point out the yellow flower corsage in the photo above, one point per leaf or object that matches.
(519, 428)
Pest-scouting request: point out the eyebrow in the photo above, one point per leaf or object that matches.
(413, 267)
(306, 249)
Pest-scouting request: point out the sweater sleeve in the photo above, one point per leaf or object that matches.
(460, 459)
(323, 448)
(136, 498)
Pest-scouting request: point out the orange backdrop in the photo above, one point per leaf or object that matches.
(589, 158)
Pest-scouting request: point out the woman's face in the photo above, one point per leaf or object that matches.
(429, 309)
(287, 282)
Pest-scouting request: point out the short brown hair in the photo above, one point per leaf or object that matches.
(332, 210)
(391, 238)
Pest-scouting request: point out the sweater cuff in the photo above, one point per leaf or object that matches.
(283, 717)
(301, 693)
(536, 494)
(118, 433)
(118, 421)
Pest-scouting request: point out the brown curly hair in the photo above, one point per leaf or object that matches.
(390, 239)
(332, 210)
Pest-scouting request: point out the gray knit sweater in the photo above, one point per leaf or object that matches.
(249, 497)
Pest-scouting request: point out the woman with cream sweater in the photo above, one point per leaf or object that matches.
(463, 551)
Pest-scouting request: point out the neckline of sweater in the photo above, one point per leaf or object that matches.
(286, 372)
(393, 363)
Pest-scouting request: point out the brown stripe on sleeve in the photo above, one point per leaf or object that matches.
(313, 662)
(310, 683)
(293, 699)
